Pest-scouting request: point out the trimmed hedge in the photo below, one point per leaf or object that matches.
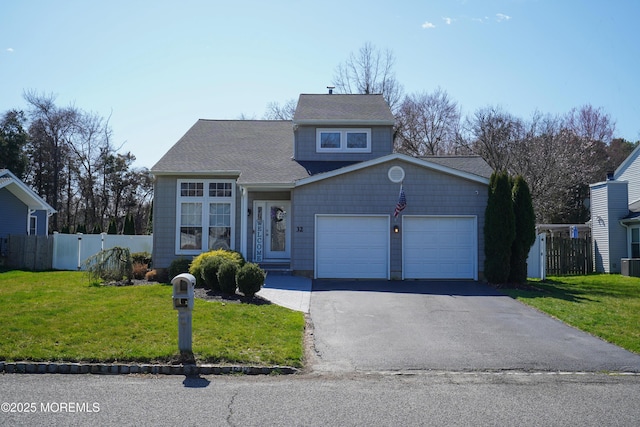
(250, 279)
(227, 277)
(196, 265)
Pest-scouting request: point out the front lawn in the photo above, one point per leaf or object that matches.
(60, 316)
(605, 305)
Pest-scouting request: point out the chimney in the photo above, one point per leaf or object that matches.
(331, 88)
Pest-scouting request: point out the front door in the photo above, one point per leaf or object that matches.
(272, 230)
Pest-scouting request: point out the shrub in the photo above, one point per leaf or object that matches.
(139, 270)
(141, 257)
(250, 279)
(178, 266)
(227, 277)
(196, 265)
(112, 264)
(151, 276)
(209, 271)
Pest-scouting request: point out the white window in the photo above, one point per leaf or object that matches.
(343, 140)
(33, 225)
(205, 215)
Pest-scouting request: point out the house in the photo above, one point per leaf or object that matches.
(23, 212)
(318, 195)
(615, 216)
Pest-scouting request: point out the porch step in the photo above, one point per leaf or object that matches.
(279, 267)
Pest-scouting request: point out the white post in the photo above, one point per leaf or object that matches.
(79, 248)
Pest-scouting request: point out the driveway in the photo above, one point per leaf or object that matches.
(446, 325)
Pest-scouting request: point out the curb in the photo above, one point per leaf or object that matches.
(138, 368)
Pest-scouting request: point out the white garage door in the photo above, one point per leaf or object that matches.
(439, 247)
(355, 247)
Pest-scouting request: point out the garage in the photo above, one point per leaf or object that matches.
(352, 246)
(440, 247)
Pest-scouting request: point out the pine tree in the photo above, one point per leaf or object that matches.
(113, 227)
(129, 225)
(525, 226)
(499, 229)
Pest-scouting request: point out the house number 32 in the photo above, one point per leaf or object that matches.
(299, 229)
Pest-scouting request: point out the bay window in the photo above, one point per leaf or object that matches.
(205, 215)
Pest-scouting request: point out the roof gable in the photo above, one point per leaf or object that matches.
(627, 163)
(25, 194)
(427, 163)
(337, 109)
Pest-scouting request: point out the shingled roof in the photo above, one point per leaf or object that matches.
(343, 110)
(471, 164)
(257, 151)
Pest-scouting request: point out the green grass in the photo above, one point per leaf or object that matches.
(61, 316)
(605, 305)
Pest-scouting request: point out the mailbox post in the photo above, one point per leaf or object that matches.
(183, 286)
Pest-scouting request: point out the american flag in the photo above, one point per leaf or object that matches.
(402, 202)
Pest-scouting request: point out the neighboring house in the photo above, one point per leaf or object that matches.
(615, 216)
(318, 195)
(22, 211)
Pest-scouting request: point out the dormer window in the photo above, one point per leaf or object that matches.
(349, 140)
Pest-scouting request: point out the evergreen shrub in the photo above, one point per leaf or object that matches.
(227, 277)
(250, 279)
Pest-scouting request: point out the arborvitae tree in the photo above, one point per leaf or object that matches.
(499, 229)
(129, 225)
(97, 229)
(150, 220)
(525, 227)
(81, 229)
(113, 227)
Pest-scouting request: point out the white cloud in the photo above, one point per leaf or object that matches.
(10, 50)
(447, 20)
(502, 17)
(428, 25)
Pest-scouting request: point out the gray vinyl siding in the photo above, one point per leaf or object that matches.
(305, 144)
(164, 218)
(609, 204)
(369, 191)
(631, 174)
(164, 221)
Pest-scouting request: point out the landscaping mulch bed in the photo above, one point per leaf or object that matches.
(202, 293)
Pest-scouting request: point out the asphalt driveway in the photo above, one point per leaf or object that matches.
(445, 325)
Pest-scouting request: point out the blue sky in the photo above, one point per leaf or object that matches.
(156, 67)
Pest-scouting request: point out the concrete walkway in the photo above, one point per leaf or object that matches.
(289, 291)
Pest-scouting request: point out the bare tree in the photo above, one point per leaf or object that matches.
(492, 134)
(369, 71)
(427, 124)
(591, 124)
(50, 131)
(285, 111)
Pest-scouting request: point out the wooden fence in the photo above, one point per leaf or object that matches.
(30, 252)
(567, 256)
(66, 251)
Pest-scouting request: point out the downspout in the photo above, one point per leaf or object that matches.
(244, 202)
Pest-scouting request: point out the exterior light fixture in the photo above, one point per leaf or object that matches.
(396, 229)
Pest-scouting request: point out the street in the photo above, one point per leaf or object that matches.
(371, 399)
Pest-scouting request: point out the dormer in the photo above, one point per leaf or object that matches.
(342, 128)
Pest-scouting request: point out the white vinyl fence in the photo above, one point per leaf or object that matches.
(537, 260)
(70, 251)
